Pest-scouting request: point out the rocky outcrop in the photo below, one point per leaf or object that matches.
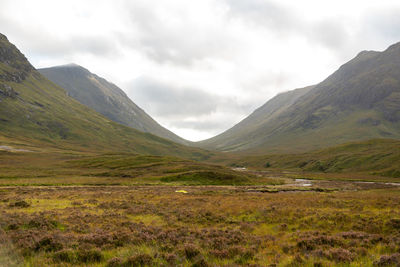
(7, 91)
(14, 67)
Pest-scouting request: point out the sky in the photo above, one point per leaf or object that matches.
(200, 67)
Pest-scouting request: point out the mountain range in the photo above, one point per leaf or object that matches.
(37, 114)
(360, 101)
(71, 108)
(105, 98)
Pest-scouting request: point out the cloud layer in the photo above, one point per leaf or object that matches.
(199, 67)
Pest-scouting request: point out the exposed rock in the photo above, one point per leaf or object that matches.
(17, 66)
(7, 91)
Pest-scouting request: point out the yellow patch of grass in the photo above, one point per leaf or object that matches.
(38, 205)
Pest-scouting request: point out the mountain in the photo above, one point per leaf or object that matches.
(105, 98)
(360, 101)
(36, 113)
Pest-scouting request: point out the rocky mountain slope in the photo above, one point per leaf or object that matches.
(106, 98)
(360, 101)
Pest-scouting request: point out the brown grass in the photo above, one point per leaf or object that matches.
(222, 226)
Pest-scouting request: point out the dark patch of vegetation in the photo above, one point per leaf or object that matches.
(20, 204)
(208, 178)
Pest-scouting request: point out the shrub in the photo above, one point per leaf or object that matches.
(12, 226)
(48, 244)
(141, 259)
(41, 223)
(200, 262)
(170, 258)
(317, 240)
(221, 254)
(115, 262)
(245, 255)
(394, 223)
(64, 256)
(340, 255)
(191, 251)
(392, 260)
(88, 256)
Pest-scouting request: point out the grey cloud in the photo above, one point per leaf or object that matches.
(169, 101)
(382, 25)
(43, 44)
(264, 13)
(182, 43)
(329, 33)
(94, 45)
(282, 21)
(205, 126)
(189, 108)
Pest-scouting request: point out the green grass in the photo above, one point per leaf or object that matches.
(366, 160)
(38, 168)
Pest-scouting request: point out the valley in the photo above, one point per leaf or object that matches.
(87, 178)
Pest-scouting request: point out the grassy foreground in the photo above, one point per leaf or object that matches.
(207, 226)
(60, 208)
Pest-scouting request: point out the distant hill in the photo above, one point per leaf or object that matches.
(360, 101)
(106, 98)
(35, 112)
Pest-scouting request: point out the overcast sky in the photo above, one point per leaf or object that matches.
(199, 67)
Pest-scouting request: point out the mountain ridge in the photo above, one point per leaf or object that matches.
(359, 101)
(106, 98)
(40, 115)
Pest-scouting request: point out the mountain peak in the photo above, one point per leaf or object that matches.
(3, 37)
(394, 47)
(71, 66)
(366, 53)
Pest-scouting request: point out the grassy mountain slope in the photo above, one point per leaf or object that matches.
(374, 157)
(250, 125)
(360, 101)
(37, 113)
(106, 98)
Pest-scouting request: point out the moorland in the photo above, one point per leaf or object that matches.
(78, 188)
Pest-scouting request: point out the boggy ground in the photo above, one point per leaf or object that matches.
(207, 226)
